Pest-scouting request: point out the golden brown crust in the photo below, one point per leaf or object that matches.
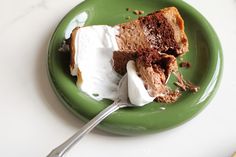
(79, 77)
(72, 48)
(72, 57)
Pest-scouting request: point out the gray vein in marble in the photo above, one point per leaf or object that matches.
(28, 11)
(41, 4)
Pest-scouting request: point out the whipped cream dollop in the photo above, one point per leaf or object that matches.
(94, 47)
(137, 92)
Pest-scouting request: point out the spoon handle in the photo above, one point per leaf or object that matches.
(64, 147)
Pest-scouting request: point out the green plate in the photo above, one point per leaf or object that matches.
(205, 56)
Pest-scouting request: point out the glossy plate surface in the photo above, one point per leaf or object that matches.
(205, 56)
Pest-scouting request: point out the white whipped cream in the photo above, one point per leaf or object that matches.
(78, 21)
(137, 92)
(94, 47)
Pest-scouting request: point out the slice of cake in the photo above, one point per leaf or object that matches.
(99, 54)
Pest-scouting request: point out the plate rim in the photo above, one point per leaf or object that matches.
(105, 126)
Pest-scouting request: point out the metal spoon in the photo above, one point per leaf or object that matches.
(121, 102)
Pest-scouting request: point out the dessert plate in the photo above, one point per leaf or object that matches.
(205, 56)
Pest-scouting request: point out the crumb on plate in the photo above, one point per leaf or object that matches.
(138, 12)
(128, 9)
(128, 18)
(185, 64)
(185, 85)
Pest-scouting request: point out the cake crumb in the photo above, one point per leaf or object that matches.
(180, 82)
(192, 87)
(185, 85)
(171, 97)
(128, 9)
(141, 11)
(138, 12)
(64, 46)
(185, 64)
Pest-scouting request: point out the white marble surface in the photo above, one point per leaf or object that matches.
(33, 120)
